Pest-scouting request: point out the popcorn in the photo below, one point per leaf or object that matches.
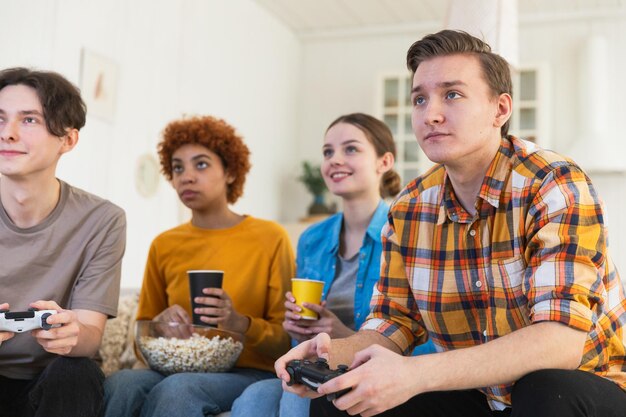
(195, 354)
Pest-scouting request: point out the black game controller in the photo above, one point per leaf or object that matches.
(22, 321)
(314, 374)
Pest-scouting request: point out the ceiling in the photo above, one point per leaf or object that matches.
(322, 17)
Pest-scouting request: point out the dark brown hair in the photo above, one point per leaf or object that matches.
(217, 136)
(62, 106)
(496, 70)
(381, 138)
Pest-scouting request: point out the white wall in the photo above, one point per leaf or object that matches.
(231, 59)
(225, 58)
(341, 74)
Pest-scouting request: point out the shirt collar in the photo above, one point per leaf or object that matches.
(373, 230)
(490, 190)
(378, 220)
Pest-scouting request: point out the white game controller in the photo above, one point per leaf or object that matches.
(23, 321)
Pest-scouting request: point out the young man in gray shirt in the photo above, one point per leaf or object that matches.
(61, 249)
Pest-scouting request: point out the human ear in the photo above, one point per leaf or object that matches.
(505, 108)
(69, 140)
(385, 162)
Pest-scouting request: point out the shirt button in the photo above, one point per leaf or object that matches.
(472, 232)
(359, 285)
(479, 284)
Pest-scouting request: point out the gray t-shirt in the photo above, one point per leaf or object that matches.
(340, 298)
(73, 258)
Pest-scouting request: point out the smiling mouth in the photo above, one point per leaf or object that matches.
(338, 175)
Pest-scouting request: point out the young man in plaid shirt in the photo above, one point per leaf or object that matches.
(498, 253)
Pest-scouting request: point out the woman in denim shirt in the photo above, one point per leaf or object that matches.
(343, 250)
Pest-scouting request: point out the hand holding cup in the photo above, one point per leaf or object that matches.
(307, 291)
(198, 281)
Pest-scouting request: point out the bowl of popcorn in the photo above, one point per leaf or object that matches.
(169, 347)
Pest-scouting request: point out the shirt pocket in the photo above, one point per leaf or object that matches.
(509, 301)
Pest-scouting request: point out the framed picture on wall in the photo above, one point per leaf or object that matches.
(98, 84)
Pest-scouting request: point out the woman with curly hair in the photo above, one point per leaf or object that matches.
(206, 163)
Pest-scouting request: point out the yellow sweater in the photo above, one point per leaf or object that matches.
(258, 263)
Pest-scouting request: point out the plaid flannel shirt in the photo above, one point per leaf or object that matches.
(535, 251)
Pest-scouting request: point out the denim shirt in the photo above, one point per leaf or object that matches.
(318, 249)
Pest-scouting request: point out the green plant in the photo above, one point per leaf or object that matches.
(312, 179)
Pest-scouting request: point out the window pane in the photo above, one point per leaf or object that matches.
(408, 128)
(527, 119)
(391, 92)
(408, 174)
(407, 89)
(392, 121)
(528, 85)
(411, 151)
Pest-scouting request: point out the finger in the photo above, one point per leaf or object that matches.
(301, 390)
(292, 306)
(6, 336)
(318, 329)
(45, 305)
(209, 301)
(62, 317)
(181, 316)
(292, 316)
(361, 357)
(336, 384)
(322, 346)
(301, 351)
(59, 345)
(289, 296)
(296, 329)
(215, 292)
(315, 307)
(358, 409)
(213, 312)
(305, 323)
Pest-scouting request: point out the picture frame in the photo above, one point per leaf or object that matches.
(98, 84)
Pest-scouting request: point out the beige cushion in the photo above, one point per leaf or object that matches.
(116, 350)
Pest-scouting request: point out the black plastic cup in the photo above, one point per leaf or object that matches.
(199, 280)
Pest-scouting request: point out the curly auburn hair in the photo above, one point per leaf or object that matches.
(217, 136)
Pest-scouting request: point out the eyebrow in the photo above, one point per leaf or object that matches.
(25, 112)
(443, 84)
(193, 158)
(346, 142)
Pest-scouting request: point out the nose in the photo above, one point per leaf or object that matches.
(8, 131)
(186, 177)
(433, 113)
(336, 158)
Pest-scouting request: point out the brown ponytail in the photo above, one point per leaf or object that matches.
(390, 184)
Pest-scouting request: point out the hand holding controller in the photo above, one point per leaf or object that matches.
(22, 321)
(314, 374)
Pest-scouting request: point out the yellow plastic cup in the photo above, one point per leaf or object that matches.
(307, 291)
